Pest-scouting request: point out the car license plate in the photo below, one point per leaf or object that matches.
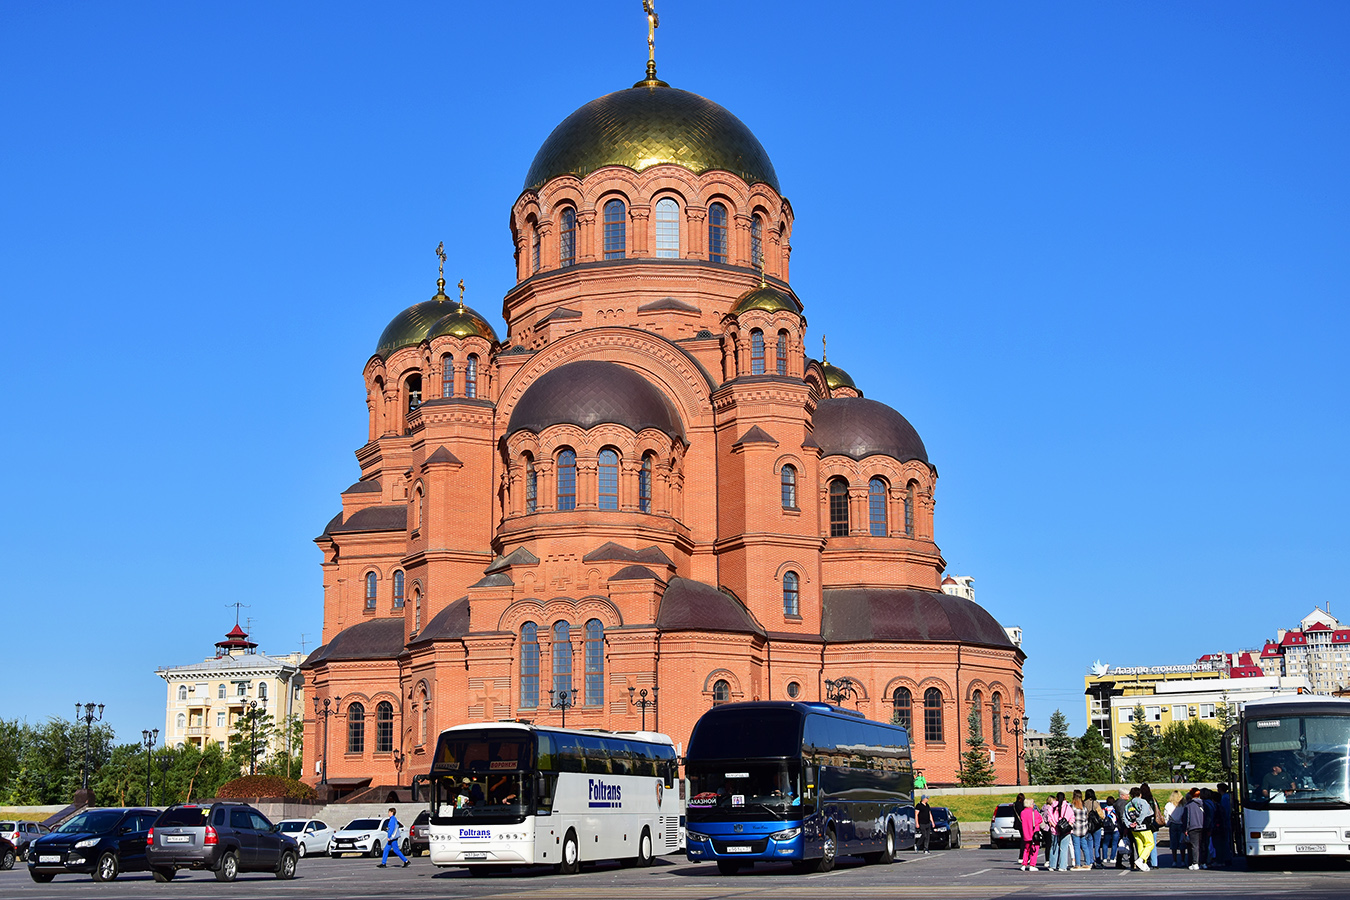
(739, 848)
(49, 859)
(473, 855)
(177, 838)
(1310, 848)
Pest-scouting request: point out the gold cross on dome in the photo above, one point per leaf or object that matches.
(824, 356)
(653, 23)
(440, 254)
(461, 292)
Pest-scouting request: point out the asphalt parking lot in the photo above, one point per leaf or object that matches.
(974, 872)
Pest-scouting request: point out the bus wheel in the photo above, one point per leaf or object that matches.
(826, 861)
(571, 854)
(644, 857)
(728, 867)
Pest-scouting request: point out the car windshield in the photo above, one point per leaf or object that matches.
(291, 826)
(362, 825)
(95, 822)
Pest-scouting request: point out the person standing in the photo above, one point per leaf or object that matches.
(1059, 815)
(1223, 827)
(1176, 830)
(1082, 858)
(1096, 825)
(1125, 854)
(1195, 829)
(1154, 822)
(1108, 850)
(1031, 834)
(391, 839)
(1137, 813)
(924, 819)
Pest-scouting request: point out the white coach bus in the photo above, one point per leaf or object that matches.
(508, 794)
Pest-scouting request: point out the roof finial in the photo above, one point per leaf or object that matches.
(461, 293)
(440, 254)
(653, 22)
(824, 357)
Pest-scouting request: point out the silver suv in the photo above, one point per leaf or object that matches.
(1002, 828)
(21, 834)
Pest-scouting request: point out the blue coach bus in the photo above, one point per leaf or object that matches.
(803, 782)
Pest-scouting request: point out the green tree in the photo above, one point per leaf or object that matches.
(1191, 741)
(121, 780)
(1059, 751)
(1038, 768)
(251, 737)
(45, 760)
(1092, 758)
(284, 756)
(1145, 760)
(976, 768)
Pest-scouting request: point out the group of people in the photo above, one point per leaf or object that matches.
(1081, 833)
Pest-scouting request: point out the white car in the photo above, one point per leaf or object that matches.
(360, 836)
(21, 834)
(312, 835)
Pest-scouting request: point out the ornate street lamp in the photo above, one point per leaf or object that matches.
(1017, 731)
(325, 711)
(399, 757)
(86, 711)
(642, 702)
(839, 690)
(253, 738)
(563, 701)
(148, 739)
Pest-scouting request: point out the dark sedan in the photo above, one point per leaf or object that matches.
(99, 842)
(946, 830)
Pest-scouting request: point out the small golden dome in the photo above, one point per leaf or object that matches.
(767, 298)
(462, 322)
(432, 318)
(649, 124)
(836, 377)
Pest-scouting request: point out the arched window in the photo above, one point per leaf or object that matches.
(182, 692)
(996, 718)
(932, 715)
(423, 714)
(529, 666)
(756, 352)
(876, 507)
(414, 384)
(534, 248)
(608, 478)
(717, 233)
(721, 691)
(977, 701)
(667, 229)
(838, 508)
(780, 354)
(757, 242)
(531, 485)
(220, 692)
(645, 484)
(567, 237)
(567, 480)
(595, 663)
(909, 510)
(903, 702)
(562, 656)
(789, 481)
(241, 689)
(356, 728)
(471, 377)
(398, 589)
(370, 590)
(384, 727)
(419, 510)
(181, 721)
(448, 375)
(262, 690)
(791, 596)
(616, 230)
(417, 609)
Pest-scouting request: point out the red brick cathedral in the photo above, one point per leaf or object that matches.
(644, 483)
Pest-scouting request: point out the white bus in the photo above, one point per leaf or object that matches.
(1293, 772)
(507, 794)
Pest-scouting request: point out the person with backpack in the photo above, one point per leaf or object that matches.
(1059, 816)
(1107, 853)
(1096, 825)
(1138, 813)
(1082, 859)
(1155, 821)
(1125, 852)
(1030, 820)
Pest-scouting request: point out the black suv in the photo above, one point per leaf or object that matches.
(101, 842)
(227, 838)
(419, 835)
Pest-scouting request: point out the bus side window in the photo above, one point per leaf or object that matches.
(544, 786)
(597, 755)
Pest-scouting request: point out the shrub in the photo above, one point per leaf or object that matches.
(271, 787)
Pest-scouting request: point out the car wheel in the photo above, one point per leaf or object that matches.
(164, 874)
(106, 867)
(41, 877)
(228, 867)
(301, 851)
(571, 854)
(728, 867)
(644, 858)
(406, 846)
(374, 850)
(954, 840)
(7, 861)
(286, 866)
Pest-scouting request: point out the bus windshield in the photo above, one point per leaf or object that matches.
(1297, 760)
(726, 789)
(483, 775)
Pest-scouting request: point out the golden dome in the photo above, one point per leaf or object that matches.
(836, 377)
(649, 124)
(769, 299)
(432, 318)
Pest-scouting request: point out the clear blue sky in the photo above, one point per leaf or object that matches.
(1095, 252)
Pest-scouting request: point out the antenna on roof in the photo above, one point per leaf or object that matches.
(302, 643)
(237, 606)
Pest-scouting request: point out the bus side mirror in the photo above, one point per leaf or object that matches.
(1226, 748)
(540, 786)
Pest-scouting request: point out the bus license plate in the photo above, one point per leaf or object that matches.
(1310, 848)
(472, 855)
(738, 849)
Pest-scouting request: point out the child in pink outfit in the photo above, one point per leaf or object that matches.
(1031, 828)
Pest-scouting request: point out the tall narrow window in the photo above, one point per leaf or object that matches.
(384, 727)
(616, 230)
(471, 376)
(534, 249)
(717, 233)
(529, 666)
(608, 478)
(531, 485)
(356, 728)
(791, 596)
(996, 718)
(876, 507)
(370, 590)
(756, 352)
(645, 484)
(932, 715)
(977, 701)
(562, 656)
(757, 242)
(414, 392)
(909, 510)
(423, 714)
(448, 375)
(567, 480)
(789, 481)
(904, 707)
(780, 354)
(419, 510)
(182, 692)
(417, 609)
(667, 229)
(567, 237)
(398, 589)
(721, 691)
(220, 692)
(838, 508)
(595, 663)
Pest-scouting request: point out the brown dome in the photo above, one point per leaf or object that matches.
(590, 393)
(857, 427)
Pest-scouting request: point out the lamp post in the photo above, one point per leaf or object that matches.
(1017, 731)
(326, 712)
(563, 701)
(148, 739)
(398, 767)
(86, 711)
(839, 690)
(642, 702)
(253, 737)
(165, 763)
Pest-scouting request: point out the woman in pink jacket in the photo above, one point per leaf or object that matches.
(1031, 835)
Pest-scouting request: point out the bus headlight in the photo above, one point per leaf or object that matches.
(787, 835)
(694, 836)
